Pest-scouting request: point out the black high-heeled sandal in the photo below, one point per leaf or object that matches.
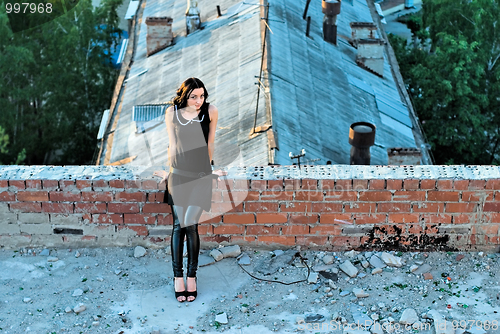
(192, 293)
(180, 293)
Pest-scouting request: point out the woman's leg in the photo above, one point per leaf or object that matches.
(193, 214)
(177, 240)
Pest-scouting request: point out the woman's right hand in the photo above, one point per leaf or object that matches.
(161, 173)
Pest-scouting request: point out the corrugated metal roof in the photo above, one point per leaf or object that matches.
(225, 57)
(318, 90)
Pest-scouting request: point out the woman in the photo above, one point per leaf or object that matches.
(191, 124)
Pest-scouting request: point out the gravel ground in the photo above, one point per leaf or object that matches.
(42, 291)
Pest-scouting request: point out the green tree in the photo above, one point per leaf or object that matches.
(58, 81)
(455, 85)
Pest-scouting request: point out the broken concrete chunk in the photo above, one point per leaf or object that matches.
(313, 278)
(205, 260)
(230, 251)
(360, 293)
(425, 268)
(328, 259)
(376, 262)
(377, 271)
(79, 308)
(441, 326)
(349, 268)
(409, 316)
(244, 260)
(139, 251)
(221, 318)
(216, 254)
(391, 260)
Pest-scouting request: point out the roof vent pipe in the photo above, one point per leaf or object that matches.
(193, 20)
(361, 137)
(331, 8)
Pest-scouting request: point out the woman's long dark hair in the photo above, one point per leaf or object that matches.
(180, 100)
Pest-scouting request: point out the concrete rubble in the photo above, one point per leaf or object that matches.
(114, 291)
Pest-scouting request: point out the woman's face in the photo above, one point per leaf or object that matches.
(196, 98)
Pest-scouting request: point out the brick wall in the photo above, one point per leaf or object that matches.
(445, 207)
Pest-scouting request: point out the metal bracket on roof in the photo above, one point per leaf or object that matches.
(138, 74)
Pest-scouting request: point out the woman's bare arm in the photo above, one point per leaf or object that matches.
(214, 116)
(169, 120)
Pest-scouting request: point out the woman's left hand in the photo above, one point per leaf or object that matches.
(219, 172)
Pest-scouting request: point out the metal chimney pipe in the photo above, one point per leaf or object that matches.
(361, 137)
(193, 20)
(331, 8)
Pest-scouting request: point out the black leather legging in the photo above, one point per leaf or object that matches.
(185, 224)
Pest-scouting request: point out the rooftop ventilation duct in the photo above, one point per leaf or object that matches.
(361, 137)
(159, 34)
(193, 20)
(404, 156)
(331, 8)
(362, 30)
(371, 55)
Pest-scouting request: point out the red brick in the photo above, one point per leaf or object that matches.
(275, 184)
(376, 184)
(435, 218)
(276, 196)
(327, 185)
(216, 238)
(96, 196)
(117, 184)
(359, 184)
(403, 218)
(258, 184)
(267, 218)
(239, 218)
(237, 184)
(477, 184)
(224, 207)
(260, 230)
(216, 196)
(310, 184)
(261, 206)
(156, 208)
(427, 207)
(375, 196)
(294, 229)
(205, 229)
(229, 229)
(155, 197)
(4, 183)
(245, 239)
(359, 207)
(342, 196)
(491, 217)
(309, 195)
(135, 218)
(130, 197)
(132, 184)
(494, 240)
(64, 196)
(277, 239)
(474, 196)
(33, 184)
(491, 207)
(370, 219)
(326, 207)
(239, 196)
(493, 184)
(344, 242)
(60, 207)
(400, 196)
(294, 206)
(6, 196)
(343, 185)
(114, 218)
(26, 207)
(489, 229)
(149, 184)
(442, 196)
(292, 184)
(394, 184)
(81, 184)
(139, 230)
(32, 196)
(428, 184)
(326, 229)
(50, 184)
(327, 218)
(411, 184)
(414, 229)
(123, 208)
(462, 219)
(67, 184)
(19, 184)
(389, 230)
(100, 183)
(163, 219)
(303, 219)
(444, 184)
(90, 207)
(461, 184)
(312, 240)
(460, 207)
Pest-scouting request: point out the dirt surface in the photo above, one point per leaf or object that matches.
(123, 293)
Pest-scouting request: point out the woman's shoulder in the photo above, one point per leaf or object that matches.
(212, 110)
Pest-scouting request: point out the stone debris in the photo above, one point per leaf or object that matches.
(413, 268)
(365, 264)
(441, 326)
(26, 300)
(425, 268)
(313, 278)
(391, 260)
(77, 254)
(428, 276)
(216, 254)
(376, 262)
(244, 260)
(118, 272)
(45, 252)
(359, 293)
(270, 265)
(68, 309)
(221, 318)
(278, 252)
(205, 260)
(328, 259)
(79, 308)
(230, 251)
(52, 259)
(377, 271)
(344, 293)
(459, 257)
(348, 268)
(409, 316)
(323, 267)
(77, 293)
(139, 251)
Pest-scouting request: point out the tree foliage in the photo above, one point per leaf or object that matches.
(56, 82)
(453, 76)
